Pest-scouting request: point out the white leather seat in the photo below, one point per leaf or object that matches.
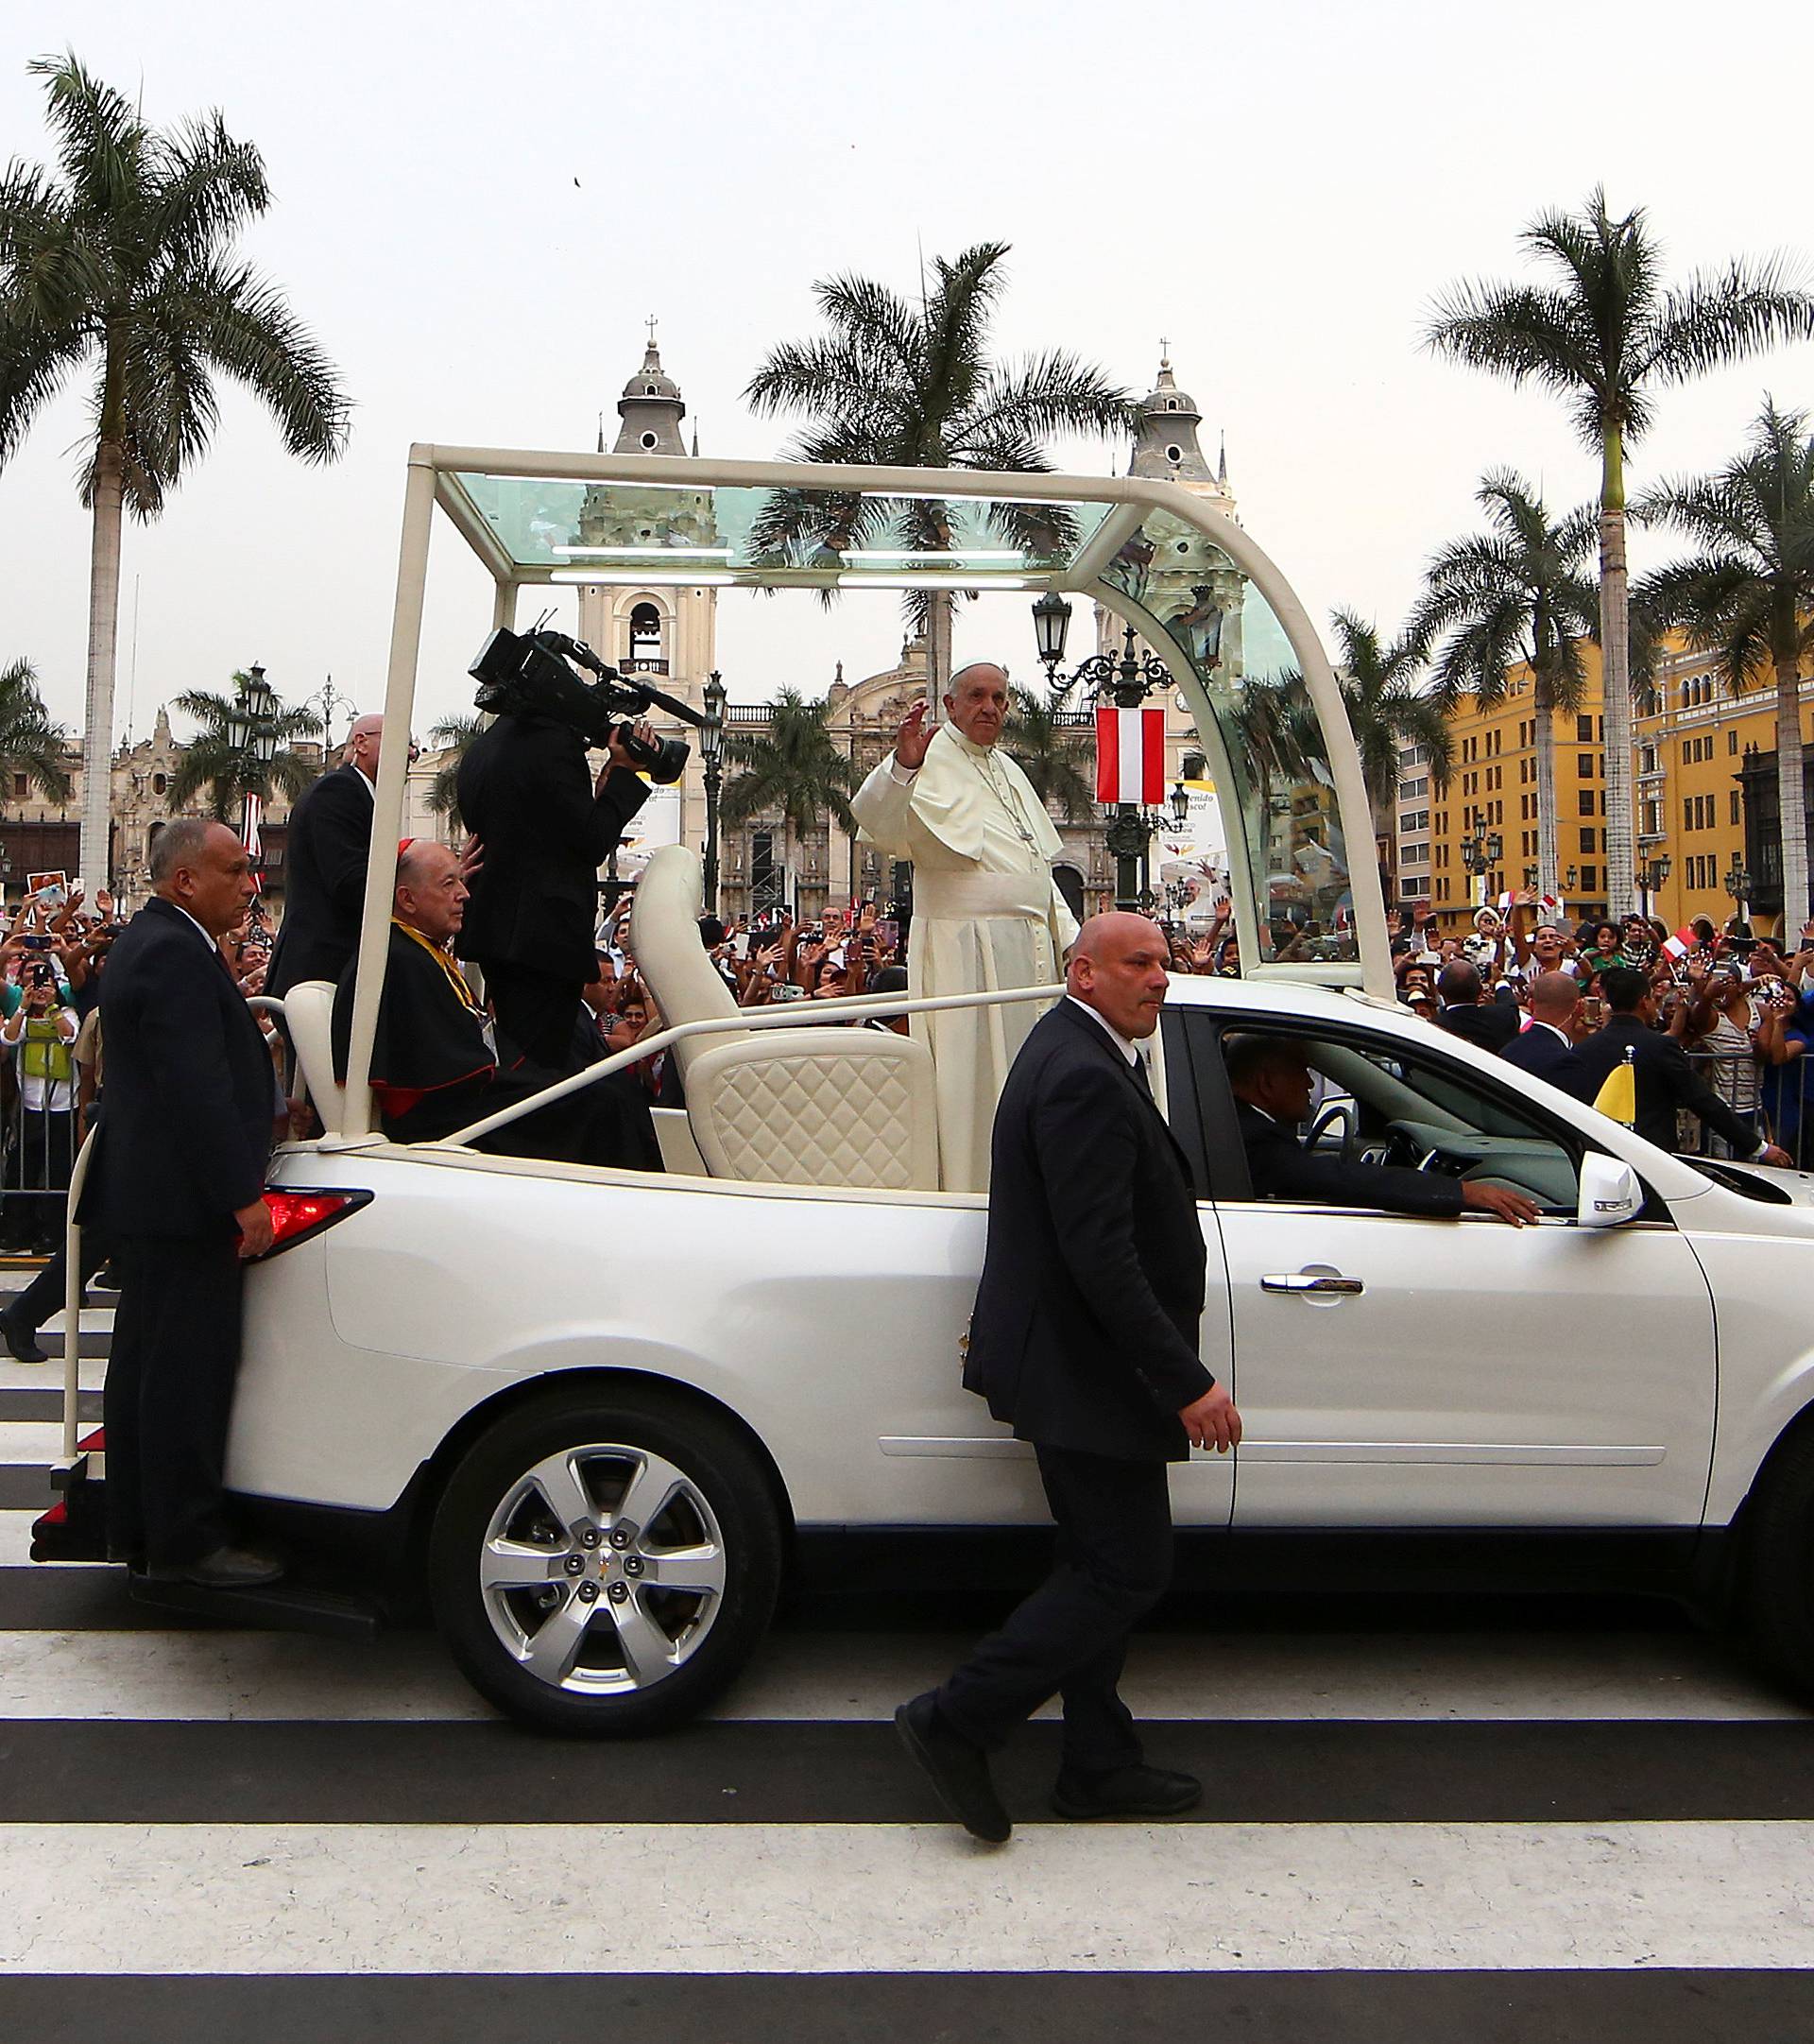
(827, 1105)
(308, 1012)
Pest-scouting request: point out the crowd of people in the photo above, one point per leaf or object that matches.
(1738, 1008)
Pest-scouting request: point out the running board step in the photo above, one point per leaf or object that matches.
(277, 1607)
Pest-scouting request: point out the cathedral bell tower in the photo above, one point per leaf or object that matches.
(643, 615)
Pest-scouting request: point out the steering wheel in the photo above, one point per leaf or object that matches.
(1332, 1112)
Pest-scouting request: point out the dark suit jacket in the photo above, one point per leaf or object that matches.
(1084, 1333)
(1542, 1054)
(324, 886)
(1281, 1168)
(1666, 1080)
(1490, 1026)
(190, 1088)
(525, 792)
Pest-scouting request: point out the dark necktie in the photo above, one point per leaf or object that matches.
(1138, 1069)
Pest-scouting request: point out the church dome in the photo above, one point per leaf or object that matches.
(651, 380)
(1165, 396)
(651, 410)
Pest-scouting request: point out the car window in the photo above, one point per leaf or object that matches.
(1381, 1102)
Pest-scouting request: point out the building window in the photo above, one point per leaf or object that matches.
(1174, 454)
(21, 787)
(1587, 841)
(1738, 815)
(1585, 801)
(1583, 730)
(1584, 765)
(159, 784)
(645, 632)
(1590, 878)
(1731, 740)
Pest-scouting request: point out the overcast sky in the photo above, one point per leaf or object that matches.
(477, 207)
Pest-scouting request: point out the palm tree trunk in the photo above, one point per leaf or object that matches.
(938, 651)
(1792, 800)
(1549, 850)
(103, 634)
(1616, 669)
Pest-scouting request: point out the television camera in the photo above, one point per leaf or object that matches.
(534, 674)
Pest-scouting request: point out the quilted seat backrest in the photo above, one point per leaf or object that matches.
(828, 1107)
(664, 935)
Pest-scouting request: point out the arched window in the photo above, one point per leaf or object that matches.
(645, 632)
(158, 784)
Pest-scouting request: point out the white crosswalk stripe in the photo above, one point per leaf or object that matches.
(257, 1753)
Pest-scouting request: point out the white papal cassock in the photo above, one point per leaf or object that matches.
(986, 914)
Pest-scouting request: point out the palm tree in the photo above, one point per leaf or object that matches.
(909, 387)
(30, 743)
(128, 264)
(1748, 594)
(451, 736)
(1605, 338)
(1048, 753)
(230, 773)
(795, 766)
(1521, 592)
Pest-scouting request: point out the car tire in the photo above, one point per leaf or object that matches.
(604, 1562)
(1778, 1582)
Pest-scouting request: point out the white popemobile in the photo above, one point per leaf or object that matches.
(599, 1418)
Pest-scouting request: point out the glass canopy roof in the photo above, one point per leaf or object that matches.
(606, 533)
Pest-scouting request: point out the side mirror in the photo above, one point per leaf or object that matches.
(1610, 1193)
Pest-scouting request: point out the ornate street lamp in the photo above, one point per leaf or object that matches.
(711, 753)
(1738, 887)
(1652, 873)
(1180, 805)
(1126, 682)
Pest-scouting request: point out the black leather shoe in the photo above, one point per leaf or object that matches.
(22, 1341)
(226, 1568)
(958, 1770)
(1126, 1791)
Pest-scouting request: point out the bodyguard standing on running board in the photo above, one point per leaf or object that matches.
(1084, 1341)
(191, 1105)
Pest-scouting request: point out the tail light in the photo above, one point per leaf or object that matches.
(298, 1215)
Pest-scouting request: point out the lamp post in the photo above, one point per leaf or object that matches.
(711, 753)
(1738, 887)
(1128, 682)
(251, 732)
(1481, 852)
(1652, 873)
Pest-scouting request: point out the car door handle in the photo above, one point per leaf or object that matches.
(1303, 1281)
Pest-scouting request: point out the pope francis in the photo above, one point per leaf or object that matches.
(986, 911)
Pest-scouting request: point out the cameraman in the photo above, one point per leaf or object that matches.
(547, 827)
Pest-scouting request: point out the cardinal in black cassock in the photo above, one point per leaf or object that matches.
(434, 1063)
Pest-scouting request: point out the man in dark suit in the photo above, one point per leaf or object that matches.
(1270, 1077)
(1664, 1079)
(324, 887)
(1084, 1340)
(1547, 1048)
(180, 1172)
(546, 827)
(1490, 1024)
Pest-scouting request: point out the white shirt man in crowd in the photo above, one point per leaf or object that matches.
(987, 913)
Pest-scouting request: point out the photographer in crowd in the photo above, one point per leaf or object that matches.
(39, 1035)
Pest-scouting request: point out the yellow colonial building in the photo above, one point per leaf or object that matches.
(1696, 748)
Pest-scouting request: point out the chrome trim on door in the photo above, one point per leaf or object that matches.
(1305, 1281)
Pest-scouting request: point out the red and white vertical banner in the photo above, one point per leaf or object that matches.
(249, 836)
(1129, 756)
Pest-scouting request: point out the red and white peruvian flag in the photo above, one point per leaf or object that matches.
(1129, 756)
(1681, 943)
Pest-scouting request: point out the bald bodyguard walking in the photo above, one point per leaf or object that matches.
(1084, 1341)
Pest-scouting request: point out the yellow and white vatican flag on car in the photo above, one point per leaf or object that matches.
(1617, 1096)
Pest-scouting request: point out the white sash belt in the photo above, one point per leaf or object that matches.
(958, 897)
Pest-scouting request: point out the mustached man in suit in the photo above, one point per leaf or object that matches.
(191, 1104)
(1084, 1341)
(1547, 1049)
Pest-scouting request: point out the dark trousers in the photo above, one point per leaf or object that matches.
(535, 1013)
(1070, 1638)
(169, 1395)
(44, 1296)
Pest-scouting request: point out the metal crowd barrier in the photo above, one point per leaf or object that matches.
(1778, 1099)
(37, 1158)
